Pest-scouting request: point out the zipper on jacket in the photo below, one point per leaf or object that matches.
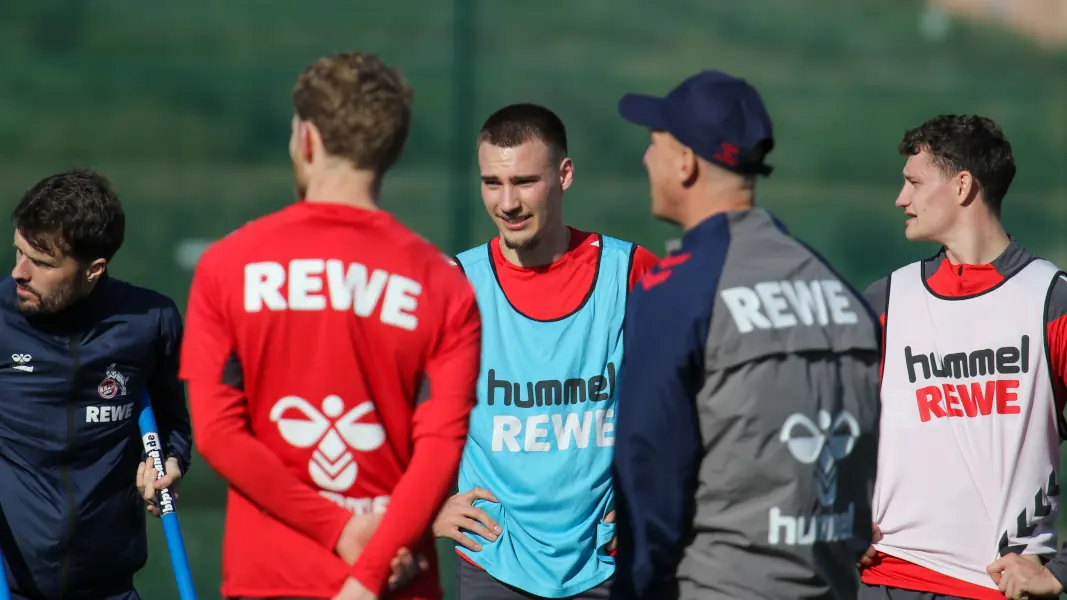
(72, 504)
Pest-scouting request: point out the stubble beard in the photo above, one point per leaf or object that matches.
(52, 304)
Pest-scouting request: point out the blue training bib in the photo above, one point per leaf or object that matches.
(542, 434)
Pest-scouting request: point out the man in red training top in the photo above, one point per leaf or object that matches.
(331, 356)
(534, 516)
(972, 385)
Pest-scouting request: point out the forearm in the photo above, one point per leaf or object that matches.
(254, 471)
(414, 502)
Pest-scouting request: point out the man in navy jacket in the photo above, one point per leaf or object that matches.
(77, 350)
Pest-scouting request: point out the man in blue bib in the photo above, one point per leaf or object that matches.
(534, 513)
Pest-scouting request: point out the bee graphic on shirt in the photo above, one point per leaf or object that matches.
(332, 465)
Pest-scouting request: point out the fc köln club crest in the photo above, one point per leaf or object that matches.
(114, 384)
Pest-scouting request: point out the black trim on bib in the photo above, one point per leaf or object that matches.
(1061, 423)
(629, 274)
(922, 275)
(885, 330)
(588, 295)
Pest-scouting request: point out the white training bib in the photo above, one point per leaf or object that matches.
(968, 458)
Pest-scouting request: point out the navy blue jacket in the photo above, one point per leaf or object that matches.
(72, 524)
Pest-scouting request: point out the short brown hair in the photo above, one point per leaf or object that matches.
(969, 143)
(360, 105)
(517, 124)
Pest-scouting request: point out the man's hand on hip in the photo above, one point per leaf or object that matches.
(148, 486)
(868, 556)
(459, 514)
(615, 538)
(1022, 577)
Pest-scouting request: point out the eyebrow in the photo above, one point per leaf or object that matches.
(515, 179)
(41, 258)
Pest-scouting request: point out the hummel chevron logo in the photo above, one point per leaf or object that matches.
(1025, 527)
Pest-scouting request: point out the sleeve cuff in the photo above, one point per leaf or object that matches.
(183, 464)
(1058, 567)
(362, 574)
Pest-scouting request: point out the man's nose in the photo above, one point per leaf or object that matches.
(509, 200)
(20, 271)
(903, 199)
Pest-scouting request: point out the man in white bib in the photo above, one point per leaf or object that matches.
(973, 386)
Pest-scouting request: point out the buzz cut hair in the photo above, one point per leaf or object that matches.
(517, 124)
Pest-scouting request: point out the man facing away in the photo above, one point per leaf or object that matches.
(533, 516)
(972, 386)
(331, 358)
(748, 413)
(79, 350)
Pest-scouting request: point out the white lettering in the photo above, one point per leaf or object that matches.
(300, 286)
(805, 531)
(573, 428)
(263, 283)
(537, 437)
(838, 301)
(108, 414)
(305, 284)
(603, 428)
(770, 293)
(358, 506)
(806, 297)
(401, 299)
(505, 430)
(784, 304)
(535, 430)
(744, 308)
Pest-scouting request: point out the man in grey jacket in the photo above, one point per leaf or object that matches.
(747, 429)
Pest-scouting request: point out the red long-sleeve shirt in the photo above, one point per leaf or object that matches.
(961, 281)
(331, 357)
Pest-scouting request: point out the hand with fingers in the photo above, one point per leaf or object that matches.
(148, 485)
(615, 538)
(868, 557)
(355, 537)
(459, 514)
(406, 567)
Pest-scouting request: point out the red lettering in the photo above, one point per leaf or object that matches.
(984, 399)
(975, 399)
(969, 405)
(951, 400)
(929, 399)
(1005, 397)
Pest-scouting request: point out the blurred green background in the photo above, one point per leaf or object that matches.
(185, 106)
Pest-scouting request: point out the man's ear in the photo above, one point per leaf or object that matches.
(566, 173)
(688, 166)
(967, 188)
(308, 140)
(96, 270)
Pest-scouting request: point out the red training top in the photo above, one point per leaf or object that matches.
(331, 357)
(556, 290)
(960, 281)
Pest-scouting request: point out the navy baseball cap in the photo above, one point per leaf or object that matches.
(720, 117)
